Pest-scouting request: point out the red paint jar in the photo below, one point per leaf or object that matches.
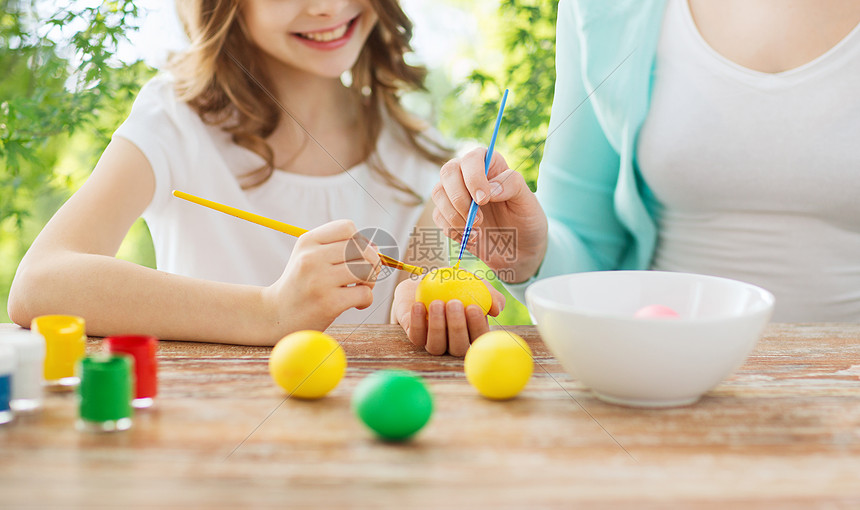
(142, 349)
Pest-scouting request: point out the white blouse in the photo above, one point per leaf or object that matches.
(189, 155)
(758, 174)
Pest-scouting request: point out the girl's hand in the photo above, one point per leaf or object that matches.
(506, 203)
(332, 269)
(449, 328)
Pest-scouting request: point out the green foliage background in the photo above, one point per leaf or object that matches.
(63, 94)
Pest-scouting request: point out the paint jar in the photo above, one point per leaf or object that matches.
(29, 367)
(142, 349)
(65, 345)
(7, 366)
(106, 391)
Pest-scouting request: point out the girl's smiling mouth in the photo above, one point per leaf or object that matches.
(328, 38)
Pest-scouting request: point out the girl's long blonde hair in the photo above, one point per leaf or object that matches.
(210, 78)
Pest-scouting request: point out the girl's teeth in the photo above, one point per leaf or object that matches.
(331, 35)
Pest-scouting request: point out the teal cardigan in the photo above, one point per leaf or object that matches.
(600, 212)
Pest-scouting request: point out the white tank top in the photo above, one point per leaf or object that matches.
(189, 155)
(758, 174)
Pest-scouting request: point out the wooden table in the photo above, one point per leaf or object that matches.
(784, 431)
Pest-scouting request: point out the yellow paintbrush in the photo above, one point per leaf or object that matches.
(280, 226)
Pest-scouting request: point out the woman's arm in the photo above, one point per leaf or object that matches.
(579, 169)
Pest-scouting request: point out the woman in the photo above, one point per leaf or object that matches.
(709, 137)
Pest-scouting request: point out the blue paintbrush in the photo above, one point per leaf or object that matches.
(473, 209)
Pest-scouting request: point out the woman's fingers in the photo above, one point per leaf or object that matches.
(444, 327)
(410, 314)
(453, 328)
(437, 334)
(451, 179)
(451, 218)
(498, 303)
(472, 170)
(417, 329)
(458, 331)
(508, 185)
(440, 221)
(476, 321)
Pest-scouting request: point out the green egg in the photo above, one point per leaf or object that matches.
(395, 404)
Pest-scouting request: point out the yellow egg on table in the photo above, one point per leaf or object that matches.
(447, 283)
(499, 364)
(307, 364)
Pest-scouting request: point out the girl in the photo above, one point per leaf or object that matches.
(254, 115)
(697, 136)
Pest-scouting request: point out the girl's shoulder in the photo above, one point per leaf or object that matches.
(178, 145)
(400, 156)
(395, 147)
(160, 119)
(158, 100)
(397, 155)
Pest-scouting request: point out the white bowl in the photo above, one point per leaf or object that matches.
(586, 320)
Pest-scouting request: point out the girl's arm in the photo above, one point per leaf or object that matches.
(71, 269)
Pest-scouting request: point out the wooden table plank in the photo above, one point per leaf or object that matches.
(784, 431)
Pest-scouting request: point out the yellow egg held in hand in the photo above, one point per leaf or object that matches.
(447, 283)
(499, 364)
(307, 364)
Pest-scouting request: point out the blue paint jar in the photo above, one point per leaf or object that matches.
(7, 367)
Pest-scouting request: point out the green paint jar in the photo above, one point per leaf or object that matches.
(106, 392)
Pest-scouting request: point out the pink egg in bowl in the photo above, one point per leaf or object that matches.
(656, 312)
(588, 322)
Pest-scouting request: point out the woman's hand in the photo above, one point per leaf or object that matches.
(448, 327)
(332, 269)
(505, 201)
